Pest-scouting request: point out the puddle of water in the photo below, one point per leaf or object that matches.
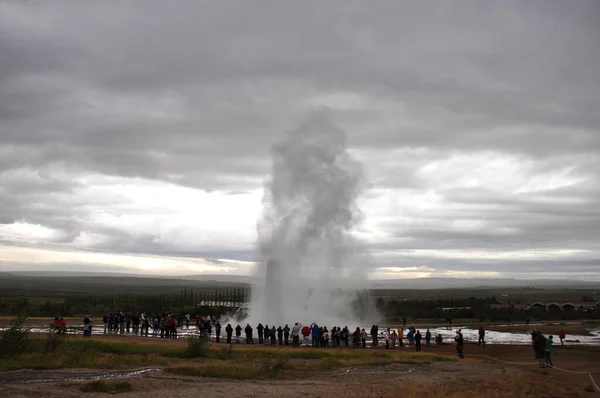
(65, 376)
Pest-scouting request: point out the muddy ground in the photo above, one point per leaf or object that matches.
(475, 376)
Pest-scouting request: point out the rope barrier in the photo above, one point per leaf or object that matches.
(536, 363)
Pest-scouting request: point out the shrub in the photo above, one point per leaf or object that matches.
(15, 339)
(272, 366)
(197, 347)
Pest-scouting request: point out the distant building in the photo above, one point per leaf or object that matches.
(552, 306)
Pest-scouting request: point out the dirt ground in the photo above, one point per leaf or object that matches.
(475, 376)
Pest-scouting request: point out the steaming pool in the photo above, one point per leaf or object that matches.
(470, 334)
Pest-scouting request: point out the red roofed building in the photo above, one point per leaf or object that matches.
(564, 306)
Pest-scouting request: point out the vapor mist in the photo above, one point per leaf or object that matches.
(311, 264)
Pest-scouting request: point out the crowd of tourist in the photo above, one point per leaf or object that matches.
(167, 325)
(313, 335)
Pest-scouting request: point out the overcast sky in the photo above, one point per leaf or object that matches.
(137, 136)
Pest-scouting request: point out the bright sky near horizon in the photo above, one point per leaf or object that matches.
(136, 136)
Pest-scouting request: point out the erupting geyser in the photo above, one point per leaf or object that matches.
(311, 264)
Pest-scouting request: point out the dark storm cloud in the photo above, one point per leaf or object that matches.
(196, 93)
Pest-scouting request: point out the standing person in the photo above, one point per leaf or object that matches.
(259, 329)
(128, 321)
(356, 338)
(325, 338)
(218, 332)
(459, 343)
(401, 337)
(427, 337)
(548, 351)
(228, 332)
(248, 330)
(394, 336)
(363, 338)
(561, 336)
(481, 333)
(374, 332)
(266, 333)
(286, 334)
(272, 334)
(418, 341)
(122, 323)
(388, 337)
(187, 320)
(346, 336)
(86, 326)
(238, 333)
(539, 346)
(410, 336)
(296, 335)
(280, 335)
(314, 333)
(342, 337)
(105, 321)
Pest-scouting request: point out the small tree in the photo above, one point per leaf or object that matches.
(14, 340)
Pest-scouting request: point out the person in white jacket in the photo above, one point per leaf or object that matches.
(296, 334)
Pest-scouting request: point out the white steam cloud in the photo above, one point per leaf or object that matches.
(311, 263)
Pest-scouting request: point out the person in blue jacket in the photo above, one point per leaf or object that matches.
(314, 331)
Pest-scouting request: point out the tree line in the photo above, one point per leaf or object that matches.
(187, 300)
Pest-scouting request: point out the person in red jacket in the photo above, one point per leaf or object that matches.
(62, 326)
(305, 332)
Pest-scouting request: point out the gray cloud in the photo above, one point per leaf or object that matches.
(487, 113)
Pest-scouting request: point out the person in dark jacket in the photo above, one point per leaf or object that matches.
(286, 334)
(259, 330)
(228, 332)
(539, 346)
(238, 334)
(272, 335)
(374, 332)
(280, 335)
(267, 332)
(428, 337)
(481, 334)
(418, 341)
(459, 343)
(248, 330)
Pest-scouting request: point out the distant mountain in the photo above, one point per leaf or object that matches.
(242, 280)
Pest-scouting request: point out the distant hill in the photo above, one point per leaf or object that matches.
(441, 283)
(201, 280)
